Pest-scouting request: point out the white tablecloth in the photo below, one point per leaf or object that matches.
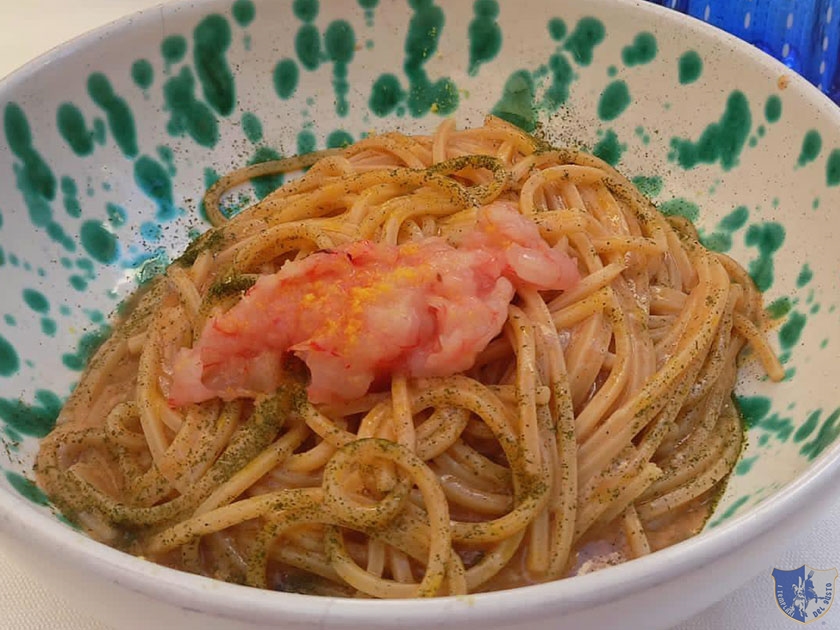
(30, 27)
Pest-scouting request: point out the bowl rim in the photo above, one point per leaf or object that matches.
(224, 600)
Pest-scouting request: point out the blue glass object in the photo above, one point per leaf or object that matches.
(802, 34)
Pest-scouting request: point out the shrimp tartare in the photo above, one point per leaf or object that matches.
(363, 311)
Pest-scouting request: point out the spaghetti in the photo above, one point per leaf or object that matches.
(595, 427)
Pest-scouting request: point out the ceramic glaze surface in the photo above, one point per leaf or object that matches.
(107, 147)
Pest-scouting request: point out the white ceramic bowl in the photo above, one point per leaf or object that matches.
(109, 141)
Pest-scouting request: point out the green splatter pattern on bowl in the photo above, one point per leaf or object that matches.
(106, 155)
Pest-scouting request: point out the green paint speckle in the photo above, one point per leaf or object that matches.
(768, 238)
(368, 6)
(721, 239)
(641, 51)
(150, 231)
(791, 330)
(71, 201)
(95, 316)
(557, 29)
(305, 142)
(745, 465)
(36, 300)
(614, 100)
(612, 71)
(735, 220)
(731, 510)
(155, 183)
(609, 148)
(72, 127)
(690, 67)
(588, 33)
(680, 207)
(828, 433)
(717, 241)
(116, 214)
(9, 362)
(832, 168)
(308, 46)
(385, 95)
(252, 127)
(36, 419)
(48, 326)
(808, 427)
(721, 141)
(142, 73)
(421, 43)
(167, 157)
(484, 34)
(267, 183)
(648, 186)
(88, 344)
(339, 139)
(211, 41)
(86, 264)
(244, 12)
(773, 109)
(305, 10)
(10, 319)
(99, 131)
(340, 44)
(562, 76)
(36, 174)
(188, 114)
(644, 137)
(33, 176)
(755, 412)
(805, 276)
(120, 119)
(98, 242)
(811, 147)
(26, 488)
(517, 103)
(286, 77)
(173, 49)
